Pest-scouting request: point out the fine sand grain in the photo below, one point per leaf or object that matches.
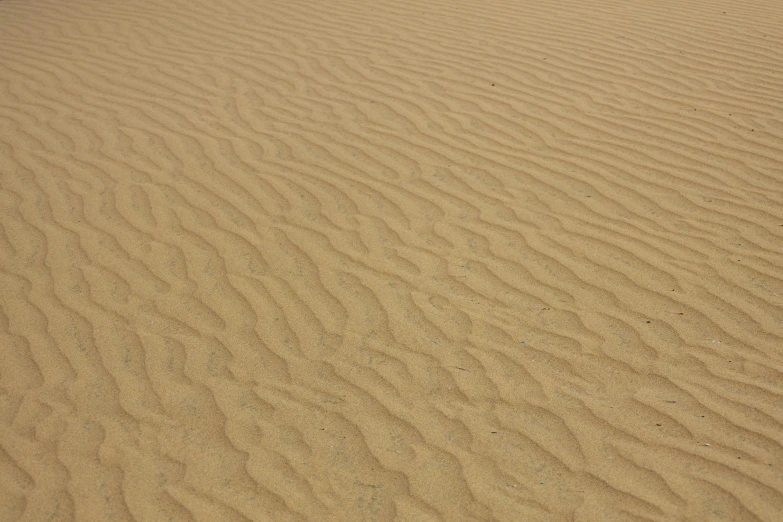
(346, 260)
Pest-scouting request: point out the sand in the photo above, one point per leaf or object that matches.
(370, 260)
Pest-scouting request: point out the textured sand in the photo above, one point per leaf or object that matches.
(381, 260)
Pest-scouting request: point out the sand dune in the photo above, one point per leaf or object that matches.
(369, 260)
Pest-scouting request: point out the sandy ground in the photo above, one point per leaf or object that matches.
(391, 260)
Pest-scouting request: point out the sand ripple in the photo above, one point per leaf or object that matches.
(370, 260)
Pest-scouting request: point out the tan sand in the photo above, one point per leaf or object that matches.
(391, 260)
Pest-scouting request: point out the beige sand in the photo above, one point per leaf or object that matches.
(391, 260)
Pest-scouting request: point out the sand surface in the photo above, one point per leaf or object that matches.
(391, 260)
